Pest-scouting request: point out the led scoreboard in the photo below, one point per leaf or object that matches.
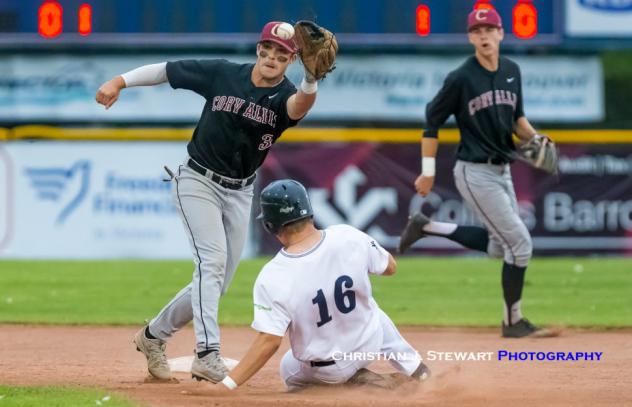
(408, 20)
(523, 21)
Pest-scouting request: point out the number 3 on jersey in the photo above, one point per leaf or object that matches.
(345, 300)
(266, 141)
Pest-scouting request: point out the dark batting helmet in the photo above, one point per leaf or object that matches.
(283, 202)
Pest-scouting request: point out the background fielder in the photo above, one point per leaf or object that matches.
(247, 108)
(317, 288)
(485, 96)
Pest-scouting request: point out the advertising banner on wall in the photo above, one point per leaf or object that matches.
(598, 18)
(586, 209)
(109, 200)
(62, 88)
(89, 200)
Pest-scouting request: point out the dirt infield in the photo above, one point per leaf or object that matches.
(105, 357)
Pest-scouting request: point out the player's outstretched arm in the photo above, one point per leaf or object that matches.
(299, 103)
(146, 75)
(261, 350)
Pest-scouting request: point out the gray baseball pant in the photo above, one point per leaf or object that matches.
(489, 190)
(215, 220)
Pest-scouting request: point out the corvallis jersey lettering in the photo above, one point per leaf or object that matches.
(240, 121)
(485, 104)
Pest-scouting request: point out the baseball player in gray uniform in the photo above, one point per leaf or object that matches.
(248, 106)
(485, 96)
(317, 289)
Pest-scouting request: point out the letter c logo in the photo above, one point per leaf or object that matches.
(274, 30)
(480, 14)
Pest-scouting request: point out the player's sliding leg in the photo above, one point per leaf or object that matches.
(402, 356)
(419, 226)
(407, 360)
(293, 373)
(298, 375)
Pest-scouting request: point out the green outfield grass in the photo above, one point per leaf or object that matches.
(459, 291)
(58, 397)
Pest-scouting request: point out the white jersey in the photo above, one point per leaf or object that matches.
(323, 296)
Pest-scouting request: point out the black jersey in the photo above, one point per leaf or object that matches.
(239, 122)
(486, 106)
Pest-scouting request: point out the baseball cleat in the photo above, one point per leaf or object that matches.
(422, 373)
(366, 377)
(524, 328)
(154, 351)
(210, 367)
(413, 231)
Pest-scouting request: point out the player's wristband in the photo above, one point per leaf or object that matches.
(229, 383)
(308, 87)
(428, 166)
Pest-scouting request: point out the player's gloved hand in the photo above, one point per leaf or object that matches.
(317, 48)
(540, 152)
(424, 184)
(109, 92)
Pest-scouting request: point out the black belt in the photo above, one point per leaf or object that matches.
(218, 179)
(322, 363)
(496, 161)
(492, 160)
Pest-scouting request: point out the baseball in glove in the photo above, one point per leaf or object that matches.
(540, 152)
(317, 48)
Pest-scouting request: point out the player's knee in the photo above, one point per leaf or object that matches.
(495, 251)
(523, 252)
(215, 264)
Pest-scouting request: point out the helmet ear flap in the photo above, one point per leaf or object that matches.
(269, 227)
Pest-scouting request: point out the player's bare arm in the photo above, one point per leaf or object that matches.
(299, 104)
(392, 266)
(261, 350)
(425, 181)
(523, 129)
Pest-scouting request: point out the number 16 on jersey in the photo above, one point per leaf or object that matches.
(345, 300)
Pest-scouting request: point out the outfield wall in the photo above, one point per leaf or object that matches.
(104, 199)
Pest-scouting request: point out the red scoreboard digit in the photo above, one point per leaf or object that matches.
(525, 20)
(85, 19)
(423, 20)
(50, 22)
(49, 19)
